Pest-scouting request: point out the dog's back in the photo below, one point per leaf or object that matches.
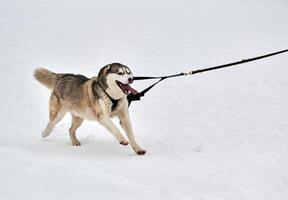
(69, 86)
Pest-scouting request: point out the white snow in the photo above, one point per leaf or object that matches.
(221, 135)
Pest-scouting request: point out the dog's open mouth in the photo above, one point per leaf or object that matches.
(126, 88)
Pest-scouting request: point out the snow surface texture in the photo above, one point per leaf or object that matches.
(219, 135)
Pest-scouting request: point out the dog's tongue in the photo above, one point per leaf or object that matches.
(127, 87)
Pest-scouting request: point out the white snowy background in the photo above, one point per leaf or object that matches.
(222, 135)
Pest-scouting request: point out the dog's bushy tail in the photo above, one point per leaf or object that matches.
(46, 77)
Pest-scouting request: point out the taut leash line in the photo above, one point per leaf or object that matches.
(138, 96)
(238, 62)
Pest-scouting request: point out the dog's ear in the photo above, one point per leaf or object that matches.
(104, 71)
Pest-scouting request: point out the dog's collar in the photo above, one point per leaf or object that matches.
(114, 101)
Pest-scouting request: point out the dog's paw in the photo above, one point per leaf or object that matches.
(76, 143)
(46, 132)
(141, 152)
(124, 142)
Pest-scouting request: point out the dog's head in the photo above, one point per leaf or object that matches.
(115, 79)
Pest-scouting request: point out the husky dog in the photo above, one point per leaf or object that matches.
(97, 99)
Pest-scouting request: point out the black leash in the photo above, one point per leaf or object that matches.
(137, 97)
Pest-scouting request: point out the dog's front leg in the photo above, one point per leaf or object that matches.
(110, 126)
(126, 124)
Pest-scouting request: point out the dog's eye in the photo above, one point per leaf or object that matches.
(120, 73)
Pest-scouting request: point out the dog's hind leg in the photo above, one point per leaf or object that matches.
(110, 126)
(76, 123)
(56, 113)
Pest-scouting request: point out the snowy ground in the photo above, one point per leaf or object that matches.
(220, 135)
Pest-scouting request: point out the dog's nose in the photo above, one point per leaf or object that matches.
(130, 80)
